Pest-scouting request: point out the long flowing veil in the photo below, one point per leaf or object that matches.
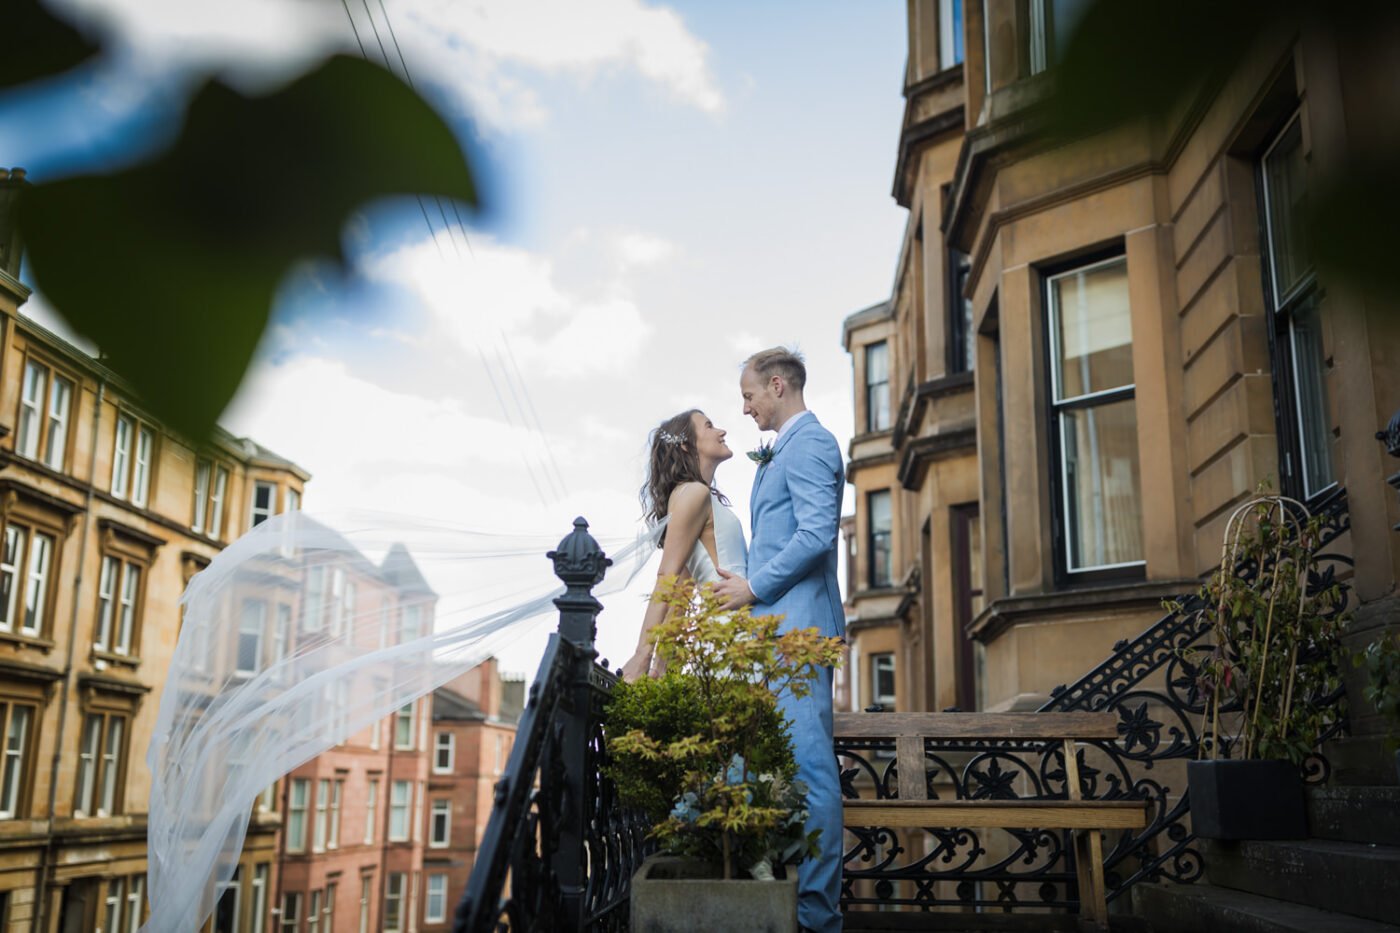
(308, 630)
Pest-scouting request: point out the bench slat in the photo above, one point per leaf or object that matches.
(1019, 814)
(909, 757)
(976, 725)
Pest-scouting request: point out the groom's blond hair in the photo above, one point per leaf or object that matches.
(782, 361)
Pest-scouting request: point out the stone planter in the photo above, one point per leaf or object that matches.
(1246, 799)
(680, 895)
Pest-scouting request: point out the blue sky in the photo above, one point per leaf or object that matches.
(678, 185)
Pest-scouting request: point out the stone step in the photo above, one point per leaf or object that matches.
(1355, 814)
(1354, 878)
(1360, 760)
(1204, 908)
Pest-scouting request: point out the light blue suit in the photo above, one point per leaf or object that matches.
(796, 512)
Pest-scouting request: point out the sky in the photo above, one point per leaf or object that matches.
(674, 187)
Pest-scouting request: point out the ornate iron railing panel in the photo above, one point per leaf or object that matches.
(1152, 690)
(559, 851)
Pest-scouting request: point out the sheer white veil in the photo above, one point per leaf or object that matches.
(305, 631)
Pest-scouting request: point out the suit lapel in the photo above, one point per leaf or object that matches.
(778, 445)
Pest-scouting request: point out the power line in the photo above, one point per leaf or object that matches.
(549, 448)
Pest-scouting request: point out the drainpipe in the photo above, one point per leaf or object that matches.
(46, 866)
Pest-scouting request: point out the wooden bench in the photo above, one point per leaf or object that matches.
(914, 809)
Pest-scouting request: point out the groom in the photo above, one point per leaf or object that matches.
(795, 511)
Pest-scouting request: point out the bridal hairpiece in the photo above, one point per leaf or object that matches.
(668, 438)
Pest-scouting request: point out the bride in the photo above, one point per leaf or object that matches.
(703, 535)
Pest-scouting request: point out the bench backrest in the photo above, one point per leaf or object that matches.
(910, 729)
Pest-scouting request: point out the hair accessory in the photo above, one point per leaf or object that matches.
(668, 438)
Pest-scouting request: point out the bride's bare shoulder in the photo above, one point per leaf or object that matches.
(688, 498)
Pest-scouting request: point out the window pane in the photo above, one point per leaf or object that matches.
(141, 481)
(9, 569)
(250, 635)
(950, 33)
(1091, 329)
(963, 352)
(16, 737)
(1306, 335)
(881, 526)
(111, 764)
(216, 503)
(121, 457)
(57, 441)
(131, 585)
(35, 381)
(37, 590)
(877, 386)
(1100, 461)
(106, 601)
(436, 908)
(201, 494)
(87, 764)
(1285, 202)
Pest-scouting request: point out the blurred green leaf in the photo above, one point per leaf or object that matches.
(171, 267)
(38, 45)
(1129, 59)
(1352, 228)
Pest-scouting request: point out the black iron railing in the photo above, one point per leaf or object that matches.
(1153, 691)
(559, 851)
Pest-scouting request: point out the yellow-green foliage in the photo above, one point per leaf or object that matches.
(707, 740)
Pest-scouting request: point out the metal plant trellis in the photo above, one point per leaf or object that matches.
(559, 851)
(1153, 692)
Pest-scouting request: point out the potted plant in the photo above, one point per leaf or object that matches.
(1382, 662)
(1275, 621)
(705, 752)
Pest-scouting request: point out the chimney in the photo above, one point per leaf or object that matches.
(11, 250)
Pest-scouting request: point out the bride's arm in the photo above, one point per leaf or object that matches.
(688, 508)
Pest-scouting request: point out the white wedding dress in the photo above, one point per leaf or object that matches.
(732, 552)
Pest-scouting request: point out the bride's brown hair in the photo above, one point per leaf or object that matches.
(673, 460)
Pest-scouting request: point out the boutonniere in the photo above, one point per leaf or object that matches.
(762, 454)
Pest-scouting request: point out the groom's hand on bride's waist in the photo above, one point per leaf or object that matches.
(734, 590)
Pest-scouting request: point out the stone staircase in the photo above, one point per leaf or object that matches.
(1344, 878)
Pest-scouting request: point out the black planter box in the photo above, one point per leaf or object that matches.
(1246, 799)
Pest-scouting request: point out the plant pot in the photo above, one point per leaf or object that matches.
(681, 895)
(1246, 799)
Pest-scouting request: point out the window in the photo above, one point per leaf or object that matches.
(202, 469)
(118, 596)
(264, 503)
(440, 833)
(371, 805)
(296, 815)
(444, 751)
(403, 728)
(418, 794)
(950, 33)
(881, 532)
(216, 502)
(966, 526)
(260, 874)
(323, 799)
(45, 403)
(1051, 23)
(347, 608)
(330, 907)
(333, 831)
(412, 622)
(877, 387)
(282, 633)
(131, 469)
(400, 796)
(1094, 418)
(251, 625)
(882, 680)
(962, 347)
(393, 902)
(435, 909)
(100, 758)
(313, 915)
(293, 500)
(112, 905)
(291, 913)
(18, 726)
(226, 907)
(366, 887)
(313, 609)
(136, 904)
(1299, 361)
(26, 560)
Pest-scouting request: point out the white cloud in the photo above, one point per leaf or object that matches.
(481, 40)
(642, 249)
(505, 295)
(484, 51)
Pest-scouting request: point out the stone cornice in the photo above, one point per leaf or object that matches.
(922, 451)
(1007, 612)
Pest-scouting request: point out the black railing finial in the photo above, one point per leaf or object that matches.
(580, 563)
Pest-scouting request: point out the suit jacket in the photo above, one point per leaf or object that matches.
(795, 516)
